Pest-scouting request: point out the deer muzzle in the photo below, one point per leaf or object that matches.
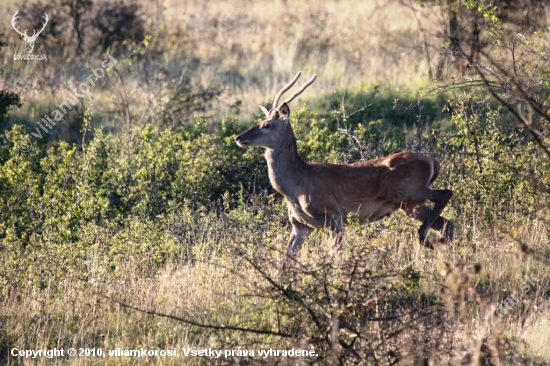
(241, 142)
(249, 137)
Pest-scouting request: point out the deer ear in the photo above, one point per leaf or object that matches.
(264, 109)
(284, 110)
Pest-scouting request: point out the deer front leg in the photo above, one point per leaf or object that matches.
(299, 234)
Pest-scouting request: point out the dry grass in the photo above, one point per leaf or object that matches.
(219, 287)
(264, 43)
(251, 49)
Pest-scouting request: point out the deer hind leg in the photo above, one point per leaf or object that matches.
(298, 235)
(440, 198)
(422, 213)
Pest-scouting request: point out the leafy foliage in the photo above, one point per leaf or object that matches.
(8, 100)
(53, 195)
(494, 166)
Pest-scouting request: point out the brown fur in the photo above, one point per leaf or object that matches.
(322, 195)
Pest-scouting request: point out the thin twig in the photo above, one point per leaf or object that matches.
(190, 322)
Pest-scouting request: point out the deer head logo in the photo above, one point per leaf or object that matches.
(29, 41)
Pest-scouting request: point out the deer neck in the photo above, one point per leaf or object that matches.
(285, 167)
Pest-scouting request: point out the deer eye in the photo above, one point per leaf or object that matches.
(267, 125)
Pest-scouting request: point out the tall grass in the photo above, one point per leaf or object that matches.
(210, 281)
(165, 235)
(246, 49)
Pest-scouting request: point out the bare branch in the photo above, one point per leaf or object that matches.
(191, 322)
(539, 138)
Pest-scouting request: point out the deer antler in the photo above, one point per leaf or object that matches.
(301, 90)
(43, 26)
(13, 21)
(34, 35)
(283, 90)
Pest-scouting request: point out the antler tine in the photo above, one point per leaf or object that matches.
(14, 20)
(283, 90)
(301, 90)
(43, 25)
(46, 21)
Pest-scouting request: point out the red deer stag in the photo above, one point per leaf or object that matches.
(321, 195)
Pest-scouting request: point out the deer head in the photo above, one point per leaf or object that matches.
(29, 41)
(274, 130)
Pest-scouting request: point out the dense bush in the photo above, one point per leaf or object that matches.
(52, 195)
(8, 100)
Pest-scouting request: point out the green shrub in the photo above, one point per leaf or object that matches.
(491, 166)
(64, 204)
